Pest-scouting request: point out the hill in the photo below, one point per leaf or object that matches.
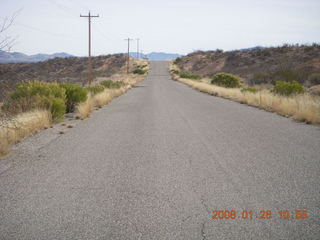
(72, 69)
(17, 57)
(259, 65)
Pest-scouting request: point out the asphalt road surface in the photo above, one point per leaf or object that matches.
(156, 162)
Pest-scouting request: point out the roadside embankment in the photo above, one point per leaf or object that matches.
(301, 107)
(36, 105)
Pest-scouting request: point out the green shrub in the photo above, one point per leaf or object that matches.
(112, 84)
(177, 60)
(174, 71)
(190, 76)
(288, 88)
(96, 89)
(226, 80)
(139, 71)
(107, 83)
(37, 95)
(249, 89)
(75, 94)
(58, 108)
(34, 88)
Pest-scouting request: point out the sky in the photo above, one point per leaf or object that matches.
(175, 26)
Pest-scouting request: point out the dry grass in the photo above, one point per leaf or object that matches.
(25, 124)
(84, 109)
(305, 108)
(22, 126)
(97, 101)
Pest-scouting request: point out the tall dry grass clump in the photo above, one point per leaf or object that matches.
(100, 99)
(21, 126)
(302, 107)
(84, 109)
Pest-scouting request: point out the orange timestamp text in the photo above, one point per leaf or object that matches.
(260, 214)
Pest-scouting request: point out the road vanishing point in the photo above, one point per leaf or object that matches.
(157, 163)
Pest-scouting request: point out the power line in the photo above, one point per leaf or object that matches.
(45, 32)
(102, 34)
(90, 77)
(41, 30)
(63, 8)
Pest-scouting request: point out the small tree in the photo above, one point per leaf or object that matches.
(7, 42)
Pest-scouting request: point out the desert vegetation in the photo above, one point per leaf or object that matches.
(35, 105)
(112, 84)
(300, 63)
(13, 130)
(288, 88)
(226, 80)
(189, 75)
(66, 70)
(140, 69)
(33, 95)
(286, 98)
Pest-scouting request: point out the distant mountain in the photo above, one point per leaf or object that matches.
(16, 57)
(157, 56)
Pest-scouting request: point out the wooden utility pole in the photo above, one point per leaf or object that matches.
(90, 76)
(128, 56)
(138, 39)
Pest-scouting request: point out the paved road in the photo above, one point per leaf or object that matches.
(154, 164)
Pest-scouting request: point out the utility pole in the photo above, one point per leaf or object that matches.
(128, 57)
(90, 77)
(138, 39)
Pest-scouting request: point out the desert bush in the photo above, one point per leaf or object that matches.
(190, 76)
(139, 71)
(37, 95)
(249, 89)
(177, 60)
(34, 88)
(112, 84)
(288, 88)
(226, 80)
(75, 94)
(300, 107)
(96, 89)
(174, 71)
(57, 108)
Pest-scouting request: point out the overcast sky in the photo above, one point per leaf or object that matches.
(176, 26)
